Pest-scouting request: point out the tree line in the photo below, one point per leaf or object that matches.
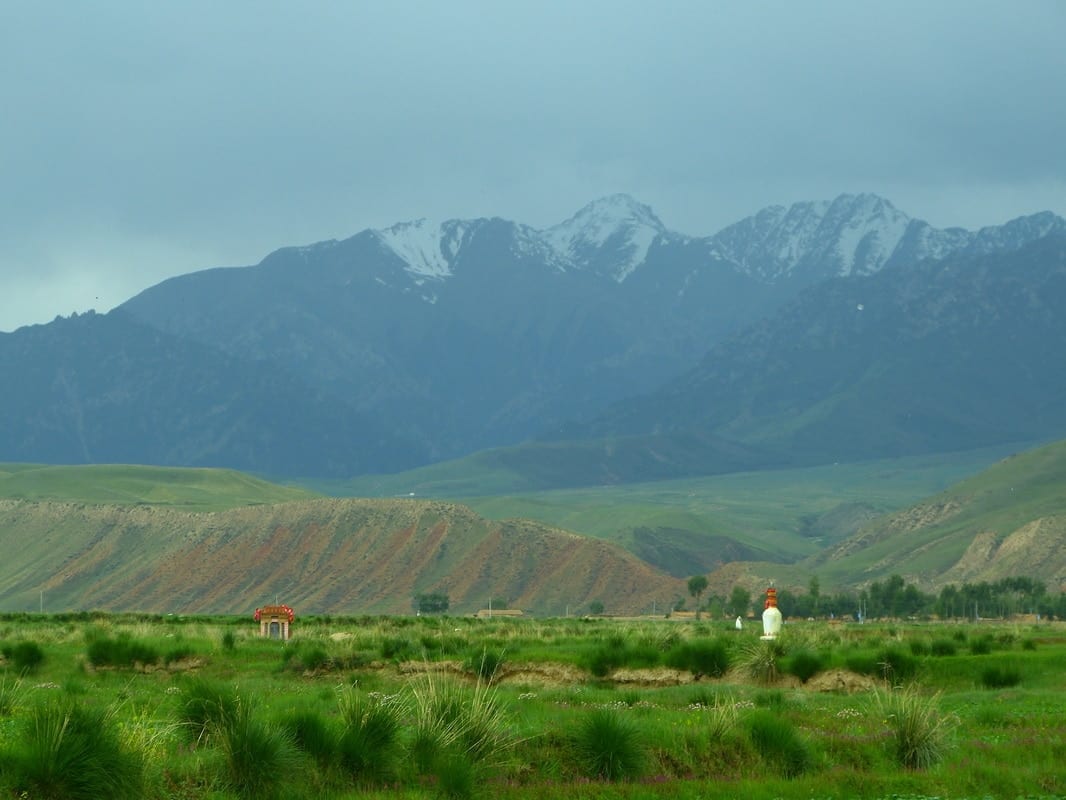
(894, 598)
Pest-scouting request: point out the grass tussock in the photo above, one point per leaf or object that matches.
(259, 756)
(369, 744)
(921, 733)
(780, 743)
(608, 746)
(761, 660)
(66, 751)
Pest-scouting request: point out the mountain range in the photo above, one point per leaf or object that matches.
(818, 331)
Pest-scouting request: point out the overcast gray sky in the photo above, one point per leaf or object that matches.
(143, 140)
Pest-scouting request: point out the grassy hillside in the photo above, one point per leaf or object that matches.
(204, 489)
(324, 556)
(692, 525)
(1008, 520)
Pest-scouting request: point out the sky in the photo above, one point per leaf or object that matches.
(144, 140)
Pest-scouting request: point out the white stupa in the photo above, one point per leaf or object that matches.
(771, 615)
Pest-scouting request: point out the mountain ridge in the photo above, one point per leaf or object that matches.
(424, 342)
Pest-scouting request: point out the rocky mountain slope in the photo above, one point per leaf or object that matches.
(320, 556)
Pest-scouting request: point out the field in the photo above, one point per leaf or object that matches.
(96, 705)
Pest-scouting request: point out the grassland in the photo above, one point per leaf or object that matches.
(454, 707)
(116, 484)
(784, 515)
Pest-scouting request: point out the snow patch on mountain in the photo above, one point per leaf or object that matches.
(421, 245)
(869, 234)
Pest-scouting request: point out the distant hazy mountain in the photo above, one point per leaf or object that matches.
(929, 356)
(424, 341)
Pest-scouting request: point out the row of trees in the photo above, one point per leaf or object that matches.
(892, 597)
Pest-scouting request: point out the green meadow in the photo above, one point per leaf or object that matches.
(116, 484)
(129, 706)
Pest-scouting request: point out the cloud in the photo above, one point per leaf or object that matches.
(223, 131)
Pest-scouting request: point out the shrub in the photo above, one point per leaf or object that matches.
(920, 733)
(777, 739)
(804, 664)
(67, 751)
(1001, 676)
(229, 641)
(1028, 644)
(981, 646)
(607, 745)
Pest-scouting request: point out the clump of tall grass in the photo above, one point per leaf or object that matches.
(67, 751)
(720, 717)
(700, 657)
(921, 734)
(369, 744)
(312, 734)
(896, 664)
(1001, 676)
(608, 745)
(259, 756)
(760, 659)
(25, 655)
(10, 696)
(780, 743)
(981, 646)
(486, 664)
(450, 718)
(204, 706)
(617, 652)
(804, 664)
(121, 651)
(943, 647)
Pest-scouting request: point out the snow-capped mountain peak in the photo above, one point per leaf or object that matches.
(616, 224)
(852, 234)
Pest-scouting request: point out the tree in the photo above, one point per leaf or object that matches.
(739, 601)
(596, 607)
(696, 586)
(431, 603)
(814, 589)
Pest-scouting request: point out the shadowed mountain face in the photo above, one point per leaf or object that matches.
(941, 355)
(424, 341)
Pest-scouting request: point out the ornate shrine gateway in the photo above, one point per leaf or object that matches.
(275, 622)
